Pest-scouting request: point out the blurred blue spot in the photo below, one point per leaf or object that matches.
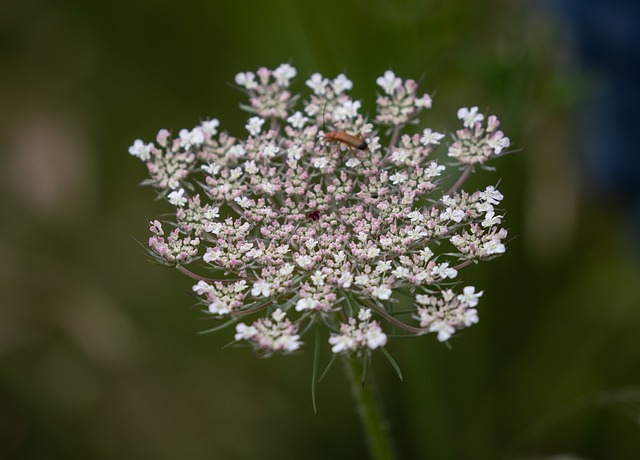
(606, 36)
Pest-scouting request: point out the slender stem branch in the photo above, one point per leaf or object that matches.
(373, 422)
(197, 277)
(463, 264)
(461, 179)
(251, 311)
(396, 321)
(394, 136)
(190, 274)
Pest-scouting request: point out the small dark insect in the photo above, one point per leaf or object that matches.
(314, 215)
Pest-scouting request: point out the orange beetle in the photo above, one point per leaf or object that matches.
(353, 142)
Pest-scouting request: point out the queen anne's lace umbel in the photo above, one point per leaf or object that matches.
(302, 230)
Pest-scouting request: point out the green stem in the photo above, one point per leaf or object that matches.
(371, 417)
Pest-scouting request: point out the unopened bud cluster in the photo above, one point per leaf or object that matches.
(288, 228)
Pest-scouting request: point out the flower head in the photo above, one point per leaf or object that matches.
(301, 228)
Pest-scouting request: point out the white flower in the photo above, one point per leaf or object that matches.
(254, 126)
(401, 272)
(213, 227)
(297, 120)
(373, 252)
(491, 219)
(444, 271)
(423, 299)
(278, 315)
(141, 150)
(448, 295)
(423, 102)
(398, 178)
(211, 169)
(448, 201)
(218, 307)
(247, 80)
(444, 330)
(288, 342)
(469, 296)
(318, 84)
(341, 343)
(362, 280)
(494, 246)
(318, 278)
(176, 198)
(211, 255)
(375, 337)
(345, 280)
(341, 83)
(283, 74)
(251, 168)
(385, 242)
(201, 287)
(415, 233)
(339, 257)
(399, 156)
(320, 162)
(294, 152)
(349, 109)
(374, 142)
(434, 170)
(470, 116)
(491, 195)
(499, 142)
(470, 317)
(244, 202)
(239, 286)
(353, 162)
(210, 127)
(382, 292)
(425, 254)
(188, 138)
(270, 151)
(455, 215)
(304, 261)
(286, 269)
(383, 266)
(430, 137)
(261, 288)
(415, 216)
(389, 82)
(244, 332)
(306, 304)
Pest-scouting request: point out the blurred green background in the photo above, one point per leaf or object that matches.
(99, 356)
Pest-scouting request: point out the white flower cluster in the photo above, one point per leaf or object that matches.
(222, 298)
(446, 313)
(356, 335)
(175, 249)
(399, 104)
(476, 144)
(274, 334)
(316, 218)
